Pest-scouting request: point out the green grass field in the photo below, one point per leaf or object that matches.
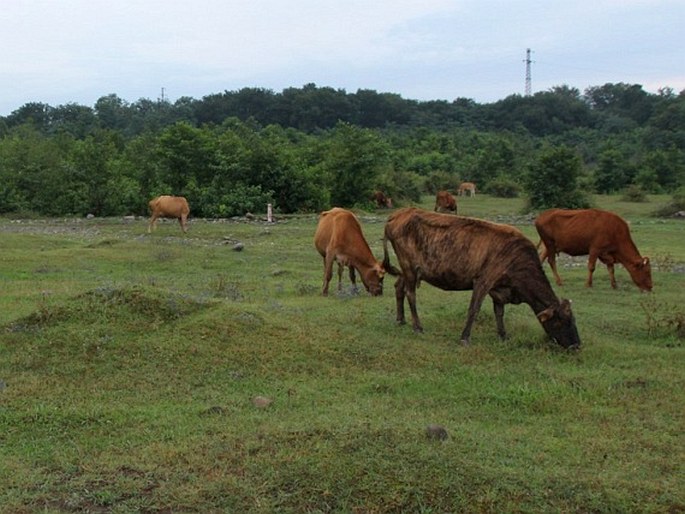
(132, 366)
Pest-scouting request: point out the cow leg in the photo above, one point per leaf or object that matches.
(552, 259)
(410, 290)
(152, 225)
(327, 272)
(609, 261)
(610, 268)
(499, 318)
(479, 291)
(353, 278)
(340, 274)
(182, 221)
(591, 264)
(399, 300)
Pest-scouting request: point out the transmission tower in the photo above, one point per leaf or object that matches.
(529, 87)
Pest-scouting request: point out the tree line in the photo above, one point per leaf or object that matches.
(308, 148)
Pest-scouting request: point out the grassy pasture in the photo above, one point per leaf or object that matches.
(130, 364)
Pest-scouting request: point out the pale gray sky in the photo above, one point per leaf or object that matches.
(75, 51)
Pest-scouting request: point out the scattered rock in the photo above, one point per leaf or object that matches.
(238, 247)
(437, 432)
(90, 216)
(261, 402)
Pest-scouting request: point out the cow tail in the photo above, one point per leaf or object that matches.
(386, 260)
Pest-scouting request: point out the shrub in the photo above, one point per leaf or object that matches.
(504, 188)
(634, 193)
(677, 204)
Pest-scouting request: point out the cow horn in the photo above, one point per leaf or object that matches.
(546, 314)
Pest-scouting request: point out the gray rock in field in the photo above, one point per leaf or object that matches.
(261, 402)
(238, 247)
(437, 432)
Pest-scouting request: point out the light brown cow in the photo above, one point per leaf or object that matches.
(467, 187)
(166, 206)
(445, 202)
(456, 253)
(339, 238)
(600, 234)
(381, 200)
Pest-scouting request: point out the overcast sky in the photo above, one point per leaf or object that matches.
(76, 51)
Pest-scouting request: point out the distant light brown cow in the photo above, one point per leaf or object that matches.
(456, 253)
(381, 200)
(467, 187)
(445, 202)
(339, 238)
(166, 206)
(600, 234)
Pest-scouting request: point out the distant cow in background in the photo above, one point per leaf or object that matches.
(467, 187)
(456, 253)
(381, 200)
(445, 202)
(166, 206)
(339, 238)
(600, 234)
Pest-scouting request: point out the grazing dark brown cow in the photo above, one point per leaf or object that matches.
(381, 201)
(445, 202)
(166, 206)
(467, 187)
(339, 238)
(600, 234)
(457, 253)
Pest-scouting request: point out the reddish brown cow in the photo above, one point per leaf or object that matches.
(166, 206)
(467, 187)
(600, 234)
(445, 202)
(339, 238)
(457, 253)
(381, 200)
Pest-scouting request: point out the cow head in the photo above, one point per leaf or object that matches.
(641, 273)
(560, 324)
(373, 279)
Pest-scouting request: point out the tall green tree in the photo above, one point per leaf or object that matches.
(352, 159)
(553, 180)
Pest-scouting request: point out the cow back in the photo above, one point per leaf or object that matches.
(451, 251)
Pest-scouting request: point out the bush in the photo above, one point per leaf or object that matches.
(504, 188)
(553, 180)
(677, 204)
(634, 193)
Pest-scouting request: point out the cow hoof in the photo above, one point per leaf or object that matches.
(401, 322)
(418, 330)
(465, 342)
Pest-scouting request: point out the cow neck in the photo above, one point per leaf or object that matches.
(537, 292)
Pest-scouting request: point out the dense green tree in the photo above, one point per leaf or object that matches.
(352, 159)
(613, 172)
(553, 180)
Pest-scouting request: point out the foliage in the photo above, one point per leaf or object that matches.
(553, 180)
(677, 204)
(634, 193)
(504, 187)
(307, 148)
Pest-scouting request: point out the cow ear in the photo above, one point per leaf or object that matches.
(565, 307)
(546, 314)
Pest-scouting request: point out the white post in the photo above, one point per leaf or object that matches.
(269, 213)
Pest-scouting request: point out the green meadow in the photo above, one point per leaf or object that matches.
(172, 373)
